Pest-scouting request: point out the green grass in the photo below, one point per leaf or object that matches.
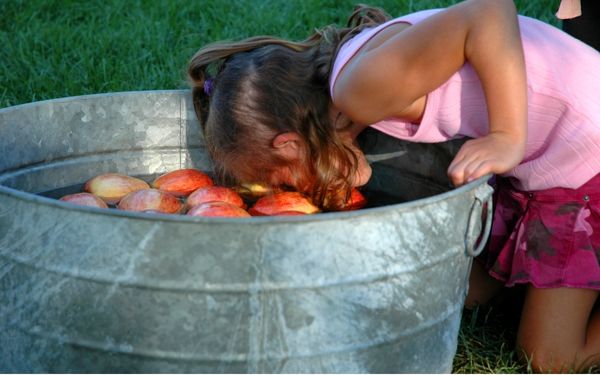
(487, 336)
(51, 49)
(58, 48)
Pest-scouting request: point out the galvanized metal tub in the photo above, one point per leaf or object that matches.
(91, 290)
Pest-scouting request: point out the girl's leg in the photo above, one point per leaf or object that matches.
(560, 329)
(482, 287)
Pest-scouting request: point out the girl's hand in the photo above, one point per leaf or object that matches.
(494, 153)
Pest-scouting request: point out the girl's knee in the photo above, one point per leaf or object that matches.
(557, 332)
(544, 360)
(553, 358)
(551, 361)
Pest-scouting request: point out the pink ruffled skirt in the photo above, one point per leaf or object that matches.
(549, 238)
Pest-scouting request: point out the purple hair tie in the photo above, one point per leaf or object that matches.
(208, 86)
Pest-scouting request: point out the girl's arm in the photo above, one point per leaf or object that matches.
(388, 76)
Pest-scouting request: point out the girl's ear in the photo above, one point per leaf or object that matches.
(288, 145)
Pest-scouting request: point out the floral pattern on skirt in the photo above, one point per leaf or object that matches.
(549, 238)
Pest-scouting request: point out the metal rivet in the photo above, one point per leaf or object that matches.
(530, 195)
(586, 198)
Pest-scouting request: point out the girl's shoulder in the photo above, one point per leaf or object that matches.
(354, 44)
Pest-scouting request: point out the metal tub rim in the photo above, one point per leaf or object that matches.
(64, 99)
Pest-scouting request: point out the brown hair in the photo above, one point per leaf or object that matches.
(263, 86)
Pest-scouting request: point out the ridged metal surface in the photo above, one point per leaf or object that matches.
(91, 290)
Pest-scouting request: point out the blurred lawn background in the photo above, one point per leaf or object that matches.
(51, 49)
(58, 48)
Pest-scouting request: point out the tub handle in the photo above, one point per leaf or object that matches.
(476, 208)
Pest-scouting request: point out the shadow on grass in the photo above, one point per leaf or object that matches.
(486, 342)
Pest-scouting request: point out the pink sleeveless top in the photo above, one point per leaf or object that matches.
(563, 74)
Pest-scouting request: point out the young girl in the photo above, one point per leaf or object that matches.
(288, 113)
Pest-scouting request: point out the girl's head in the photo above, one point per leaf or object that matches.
(266, 114)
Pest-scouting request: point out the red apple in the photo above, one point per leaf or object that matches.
(215, 193)
(281, 202)
(84, 199)
(218, 209)
(111, 187)
(151, 199)
(356, 201)
(182, 182)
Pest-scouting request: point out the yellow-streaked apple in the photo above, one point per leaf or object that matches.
(281, 202)
(215, 193)
(151, 199)
(84, 199)
(182, 182)
(112, 187)
(217, 209)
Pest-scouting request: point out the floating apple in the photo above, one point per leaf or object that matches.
(182, 182)
(150, 200)
(253, 190)
(356, 201)
(215, 193)
(284, 201)
(84, 199)
(218, 209)
(111, 187)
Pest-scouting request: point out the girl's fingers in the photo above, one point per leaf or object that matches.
(456, 168)
(456, 176)
(468, 170)
(478, 157)
(481, 169)
(457, 172)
